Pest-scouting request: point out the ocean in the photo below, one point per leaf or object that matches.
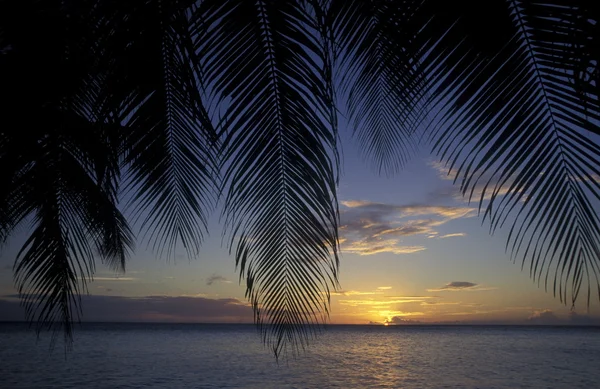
(232, 356)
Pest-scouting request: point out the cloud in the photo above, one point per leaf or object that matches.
(351, 293)
(369, 228)
(476, 312)
(386, 307)
(180, 309)
(486, 185)
(456, 286)
(384, 287)
(434, 303)
(399, 320)
(383, 246)
(356, 203)
(444, 171)
(452, 235)
(379, 303)
(548, 317)
(197, 295)
(545, 316)
(216, 278)
(382, 209)
(390, 314)
(116, 278)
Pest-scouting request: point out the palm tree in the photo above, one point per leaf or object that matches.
(177, 105)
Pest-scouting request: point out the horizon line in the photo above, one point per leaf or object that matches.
(441, 324)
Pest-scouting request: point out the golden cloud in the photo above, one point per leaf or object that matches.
(369, 228)
(351, 293)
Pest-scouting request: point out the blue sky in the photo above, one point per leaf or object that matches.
(413, 250)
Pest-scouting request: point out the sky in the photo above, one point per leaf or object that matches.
(413, 251)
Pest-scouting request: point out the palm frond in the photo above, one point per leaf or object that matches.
(268, 59)
(525, 131)
(169, 140)
(379, 64)
(74, 219)
(59, 167)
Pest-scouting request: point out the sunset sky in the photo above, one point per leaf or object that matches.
(412, 251)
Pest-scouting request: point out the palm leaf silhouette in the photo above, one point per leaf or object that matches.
(60, 169)
(527, 134)
(384, 89)
(168, 145)
(151, 122)
(279, 143)
(187, 102)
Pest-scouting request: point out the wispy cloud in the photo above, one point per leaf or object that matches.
(369, 228)
(114, 279)
(476, 312)
(457, 234)
(384, 287)
(351, 293)
(216, 278)
(483, 189)
(375, 303)
(197, 295)
(386, 306)
(397, 314)
(458, 286)
(366, 247)
(379, 210)
(445, 172)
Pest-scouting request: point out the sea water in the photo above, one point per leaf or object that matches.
(232, 356)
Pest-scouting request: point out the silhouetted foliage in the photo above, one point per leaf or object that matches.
(176, 104)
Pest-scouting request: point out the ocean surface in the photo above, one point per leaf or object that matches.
(232, 356)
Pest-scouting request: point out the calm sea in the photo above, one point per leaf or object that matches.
(231, 356)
